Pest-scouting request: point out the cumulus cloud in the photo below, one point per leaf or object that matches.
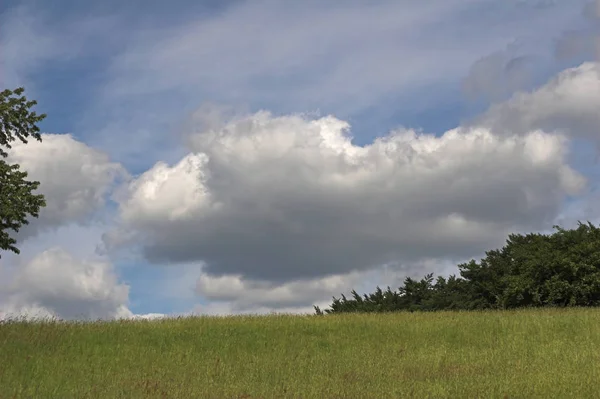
(501, 73)
(358, 60)
(56, 284)
(245, 294)
(568, 103)
(237, 294)
(286, 210)
(289, 197)
(74, 179)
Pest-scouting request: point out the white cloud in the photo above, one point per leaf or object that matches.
(260, 54)
(283, 209)
(349, 58)
(56, 284)
(243, 294)
(283, 198)
(74, 178)
(235, 294)
(568, 103)
(356, 58)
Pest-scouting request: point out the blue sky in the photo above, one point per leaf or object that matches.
(184, 170)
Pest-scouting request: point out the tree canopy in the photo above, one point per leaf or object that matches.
(534, 270)
(17, 199)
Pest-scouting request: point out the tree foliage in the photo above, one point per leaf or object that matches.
(17, 200)
(534, 270)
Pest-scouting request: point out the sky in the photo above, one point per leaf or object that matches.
(230, 157)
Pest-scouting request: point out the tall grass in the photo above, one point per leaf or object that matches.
(550, 353)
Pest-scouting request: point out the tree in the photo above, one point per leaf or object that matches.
(17, 200)
(533, 270)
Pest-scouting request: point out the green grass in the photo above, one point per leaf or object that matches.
(550, 353)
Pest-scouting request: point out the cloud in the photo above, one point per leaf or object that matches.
(143, 69)
(277, 50)
(284, 210)
(592, 10)
(289, 197)
(568, 104)
(352, 56)
(574, 43)
(240, 295)
(501, 73)
(55, 284)
(584, 209)
(260, 54)
(74, 178)
(30, 38)
(24, 45)
(583, 41)
(245, 294)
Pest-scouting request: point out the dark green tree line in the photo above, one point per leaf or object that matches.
(534, 270)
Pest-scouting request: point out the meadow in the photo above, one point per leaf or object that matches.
(533, 353)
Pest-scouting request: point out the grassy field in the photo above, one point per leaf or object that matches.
(517, 354)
